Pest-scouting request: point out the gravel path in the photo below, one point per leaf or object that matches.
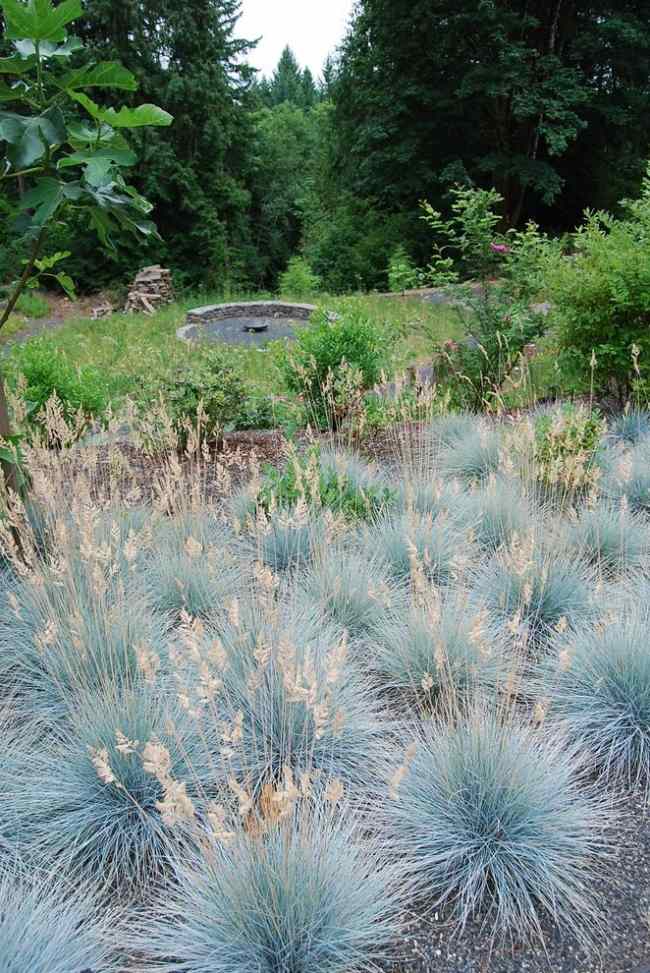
(430, 945)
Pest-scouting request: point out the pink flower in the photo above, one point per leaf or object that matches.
(499, 248)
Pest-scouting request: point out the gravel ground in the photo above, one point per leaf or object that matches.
(430, 945)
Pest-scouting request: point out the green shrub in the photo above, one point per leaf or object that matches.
(602, 296)
(32, 305)
(566, 446)
(298, 280)
(315, 366)
(402, 272)
(345, 486)
(203, 397)
(39, 371)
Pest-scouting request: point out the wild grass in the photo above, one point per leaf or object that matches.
(47, 926)
(110, 791)
(206, 689)
(311, 896)
(496, 821)
(597, 684)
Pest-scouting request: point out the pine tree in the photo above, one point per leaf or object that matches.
(188, 60)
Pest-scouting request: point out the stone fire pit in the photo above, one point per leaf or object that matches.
(248, 323)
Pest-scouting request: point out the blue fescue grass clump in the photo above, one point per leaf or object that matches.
(58, 642)
(285, 541)
(308, 897)
(351, 589)
(438, 654)
(631, 427)
(426, 495)
(85, 798)
(194, 568)
(298, 701)
(495, 820)
(533, 593)
(433, 545)
(494, 513)
(448, 431)
(612, 538)
(597, 684)
(626, 477)
(48, 928)
(474, 457)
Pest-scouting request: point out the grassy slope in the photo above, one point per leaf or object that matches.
(130, 349)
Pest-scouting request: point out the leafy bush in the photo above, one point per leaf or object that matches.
(476, 369)
(40, 371)
(566, 447)
(340, 483)
(312, 898)
(495, 819)
(602, 296)
(298, 281)
(598, 685)
(402, 272)
(32, 305)
(47, 928)
(334, 358)
(469, 233)
(201, 398)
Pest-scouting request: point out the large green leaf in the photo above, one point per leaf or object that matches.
(16, 65)
(44, 199)
(117, 155)
(28, 137)
(27, 48)
(39, 20)
(107, 74)
(125, 117)
(7, 93)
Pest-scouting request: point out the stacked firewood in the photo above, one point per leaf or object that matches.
(151, 289)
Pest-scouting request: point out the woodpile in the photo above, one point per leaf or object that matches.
(151, 289)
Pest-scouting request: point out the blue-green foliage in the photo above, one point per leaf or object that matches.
(612, 539)
(46, 927)
(193, 569)
(307, 898)
(410, 542)
(474, 457)
(62, 639)
(494, 513)
(631, 427)
(531, 599)
(112, 831)
(627, 478)
(442, 653)
(598, 685)
(351, 589)
(299, 701)
(493, 820)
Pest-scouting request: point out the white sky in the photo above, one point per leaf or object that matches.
(312, 28)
